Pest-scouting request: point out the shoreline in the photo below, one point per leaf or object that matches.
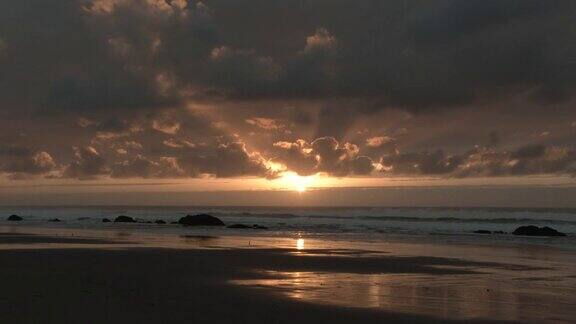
(307, 281)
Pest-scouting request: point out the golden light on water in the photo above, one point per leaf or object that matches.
(300, 244)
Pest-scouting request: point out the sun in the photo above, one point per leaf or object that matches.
(296, 182)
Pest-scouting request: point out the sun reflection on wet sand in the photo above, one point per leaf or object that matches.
(449, 296)
(542, 292)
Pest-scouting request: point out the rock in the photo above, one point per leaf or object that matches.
(83, 218)
(105, 220)
(240, 226)
(173, 222)
(532, 230)
(54, 220)
(160, 222)
(15, 218)
(255, 226)
(499, 232)
(124, 219)
(200, 220)
(483, 232)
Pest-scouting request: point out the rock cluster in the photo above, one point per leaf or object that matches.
(532, 230)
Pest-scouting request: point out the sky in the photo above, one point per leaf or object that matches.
(416, 102)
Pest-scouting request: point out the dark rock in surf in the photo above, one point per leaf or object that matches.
(124, 219)
(15, 218)
(532, 230)
(160, 222)
(255, 226)
(200, 220)
(483, 232)
(54, 220)
(106, 220)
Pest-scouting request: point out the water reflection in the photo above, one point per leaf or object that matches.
(454, 296)
(199, 240)
(300, 244)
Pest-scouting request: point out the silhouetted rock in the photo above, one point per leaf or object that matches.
(483, 232)
(15, 218)
(124, 219)
(83, 218)
(255, 226)
(532, 230)
(239, 226)
(160, 222)
(105, 220)
(200, 220)
(54, 220)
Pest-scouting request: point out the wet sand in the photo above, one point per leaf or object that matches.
(82, 278)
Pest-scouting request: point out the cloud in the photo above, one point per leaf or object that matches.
(320, 41)
(166, 124)
(325, 155)
(424, 163)
(141, 167)
(88, 164)
(19, 161)
(147, 54)
(114, 128)
(265, 123)
(378, 141)
(226, 160)
(146, 88)
(242, 72)
(483, 162)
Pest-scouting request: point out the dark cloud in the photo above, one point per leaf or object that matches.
(20, 161)
(325, 154)
(141, 167)
(226, 160)
(484, 162)
(88, 164)
(138, 54)
(415, 54)
(147, 88)
(425, 163)
(530, 152)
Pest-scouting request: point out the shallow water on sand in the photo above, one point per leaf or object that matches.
(457, 281)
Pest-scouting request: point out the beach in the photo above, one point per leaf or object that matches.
(294, 162)
(56, 275)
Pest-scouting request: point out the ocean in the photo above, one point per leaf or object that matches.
(449, 225)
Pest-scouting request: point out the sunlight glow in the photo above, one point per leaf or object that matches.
(300, 244)
(296, 182)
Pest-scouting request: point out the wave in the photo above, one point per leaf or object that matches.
(503, 220)
(499, 220)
